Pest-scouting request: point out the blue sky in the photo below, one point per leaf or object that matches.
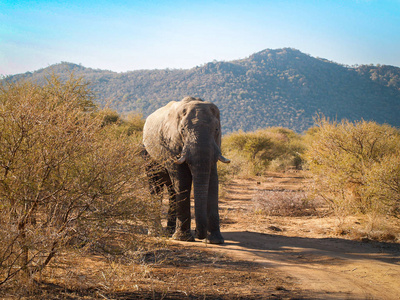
(127, 35)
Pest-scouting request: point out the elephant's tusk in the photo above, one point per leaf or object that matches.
(224, 160)
(181, 160)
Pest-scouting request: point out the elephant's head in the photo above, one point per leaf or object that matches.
(199, 131)
(199, 139)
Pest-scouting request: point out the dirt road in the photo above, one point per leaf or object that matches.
(320, 266)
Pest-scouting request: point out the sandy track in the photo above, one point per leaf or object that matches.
(319, 267)
(322, 268)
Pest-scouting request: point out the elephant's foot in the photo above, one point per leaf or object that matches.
(201, 234)
(170, 228)
(169, 231)
(155, 228)
(183, 236)
(215, 238)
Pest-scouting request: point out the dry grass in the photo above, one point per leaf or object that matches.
(278, 203)
(124, 265)
(285, 203)
(366, 228)
(166, 272)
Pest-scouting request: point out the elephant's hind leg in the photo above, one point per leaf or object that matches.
(156, 185)
(171, 219)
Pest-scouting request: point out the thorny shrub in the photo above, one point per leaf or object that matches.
(252, 153)
(65, 177)
(284, 203)
(129, 124)
(355, 166)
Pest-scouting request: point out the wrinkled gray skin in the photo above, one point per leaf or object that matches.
(184, 139)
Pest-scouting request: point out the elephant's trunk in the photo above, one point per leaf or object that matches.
(201, 181)
(201, 156)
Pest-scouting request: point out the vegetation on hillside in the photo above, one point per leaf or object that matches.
(272, 88)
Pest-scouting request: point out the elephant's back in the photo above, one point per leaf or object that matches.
(155, 120)
(152, 131)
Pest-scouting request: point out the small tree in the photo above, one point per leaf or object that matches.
(275, 148)
(62, 172)
(356, 166)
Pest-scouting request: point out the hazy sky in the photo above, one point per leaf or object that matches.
(128, 35)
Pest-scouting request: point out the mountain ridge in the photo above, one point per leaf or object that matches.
(280, 87)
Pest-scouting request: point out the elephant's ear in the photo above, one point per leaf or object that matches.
(170, 131)
(215, 111)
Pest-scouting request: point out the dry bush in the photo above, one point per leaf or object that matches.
(130, 124)
(356, 167)
(252, 153)
(369, 228)
(65, 177)
(133, 122)
(284, 203)
(109, 117)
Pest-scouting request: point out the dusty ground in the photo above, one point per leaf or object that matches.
(306, 250)
(264, 257)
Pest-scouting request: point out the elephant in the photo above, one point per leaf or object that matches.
(183, 139)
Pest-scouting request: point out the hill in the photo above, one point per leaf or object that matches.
(282, 87)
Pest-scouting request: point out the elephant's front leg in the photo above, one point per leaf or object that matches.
(214, 234)
(182, 181)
